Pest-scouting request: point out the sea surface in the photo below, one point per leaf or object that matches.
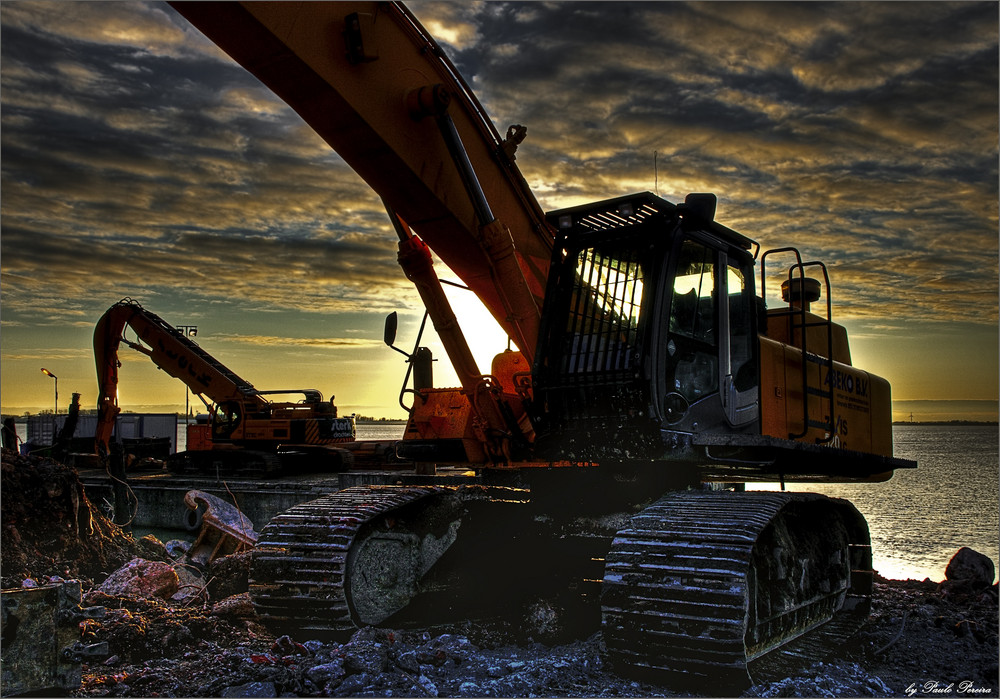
(922, 516)
(380, 430)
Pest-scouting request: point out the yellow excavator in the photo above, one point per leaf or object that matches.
(247, 433)
(610, 448)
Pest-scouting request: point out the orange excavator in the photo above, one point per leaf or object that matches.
(610, 449)
(247, 434)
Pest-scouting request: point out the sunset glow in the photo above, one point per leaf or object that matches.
(139, 161)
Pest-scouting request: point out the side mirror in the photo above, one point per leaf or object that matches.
(391, 322)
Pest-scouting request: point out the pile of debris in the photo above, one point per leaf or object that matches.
(924, 635)
(221, 651)
(178, 623)
(50, 527)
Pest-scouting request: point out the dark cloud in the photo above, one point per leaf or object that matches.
(859, 131)
(165, 169)
(139, 160)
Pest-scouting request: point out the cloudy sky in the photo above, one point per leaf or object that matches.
(139, 161)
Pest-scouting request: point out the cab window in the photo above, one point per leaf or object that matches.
(692, 347)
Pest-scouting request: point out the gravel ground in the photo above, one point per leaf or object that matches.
(922, 639)
(158, 649)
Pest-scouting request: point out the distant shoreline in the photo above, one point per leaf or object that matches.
(950, 423)
(402, 421)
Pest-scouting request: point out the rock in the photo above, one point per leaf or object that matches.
(229, 575)
(142, 578)
(313, 646)
(236, 607)
(350, 686)
(408, 662)
(971, 567)
(153, 548)
(368, 633)
(251, 689)
(469, 689)
(445, 647)
(846, 680)
(320, 675)
(429, 688)
(96, 598)
(191, 585)
(364, 657)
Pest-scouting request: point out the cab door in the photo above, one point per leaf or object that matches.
(740, 391)
(708, 352)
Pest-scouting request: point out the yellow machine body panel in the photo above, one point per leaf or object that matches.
(782, 326)
(862, 413)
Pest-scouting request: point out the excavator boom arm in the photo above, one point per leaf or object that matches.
(170, 350)
(376, 87)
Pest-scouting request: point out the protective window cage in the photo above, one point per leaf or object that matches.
(595, 323)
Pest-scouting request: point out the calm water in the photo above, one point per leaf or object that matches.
(379, 430)
(922, 516)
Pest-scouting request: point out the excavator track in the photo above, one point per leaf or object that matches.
(302, 571)
(723, 589)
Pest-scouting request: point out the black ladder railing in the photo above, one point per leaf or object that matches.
(799, 320)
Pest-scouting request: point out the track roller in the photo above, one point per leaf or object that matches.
(350, 559)
(722, 589)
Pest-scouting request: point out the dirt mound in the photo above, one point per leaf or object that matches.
(50, 527)
(924, 636)
(159, 648)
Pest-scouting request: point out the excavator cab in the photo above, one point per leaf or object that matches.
(226, 419)
(654, 346)
(649, 329)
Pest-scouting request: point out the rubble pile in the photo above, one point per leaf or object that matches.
(374, 662)
(174, 629)
(50, 527)
(921, 633)
(219, 650)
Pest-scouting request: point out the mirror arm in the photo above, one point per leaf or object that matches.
(409, 362)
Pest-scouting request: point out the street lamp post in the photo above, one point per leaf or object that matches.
(55, 410)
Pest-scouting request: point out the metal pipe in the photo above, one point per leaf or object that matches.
(465, 169)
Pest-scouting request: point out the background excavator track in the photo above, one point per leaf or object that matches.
(731, 585)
